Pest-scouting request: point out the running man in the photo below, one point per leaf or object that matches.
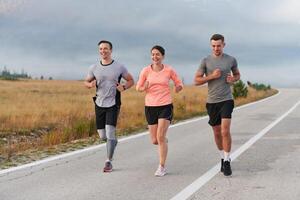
(154, 80)
(106, 76)
(219, 70)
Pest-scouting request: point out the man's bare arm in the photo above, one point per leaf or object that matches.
(90, 82)
(200, 79)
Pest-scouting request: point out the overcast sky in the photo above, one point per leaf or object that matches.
(59, 38)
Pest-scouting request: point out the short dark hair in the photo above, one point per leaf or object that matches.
(159, 48)
(106, 41)
(217, 37)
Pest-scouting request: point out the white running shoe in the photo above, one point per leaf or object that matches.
(161, 171)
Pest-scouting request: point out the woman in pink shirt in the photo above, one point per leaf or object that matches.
(154, 80)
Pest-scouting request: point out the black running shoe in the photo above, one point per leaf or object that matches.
(222, 165)
(227, 168)
(107, 167)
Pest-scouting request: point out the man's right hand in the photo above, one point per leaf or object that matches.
(216, 73)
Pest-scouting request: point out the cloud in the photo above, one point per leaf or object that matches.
(269, 11)
(60, 37)
(282, 12)
(276, 76)
(10, 6)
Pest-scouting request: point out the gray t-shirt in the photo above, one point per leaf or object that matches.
(218, 89)
(107, 77)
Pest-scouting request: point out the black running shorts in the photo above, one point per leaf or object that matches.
(153, 113)
(106, 116)
(217, 111)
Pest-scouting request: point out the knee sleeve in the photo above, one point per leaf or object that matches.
(110, 132)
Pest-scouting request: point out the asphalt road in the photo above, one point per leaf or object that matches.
(266, 149)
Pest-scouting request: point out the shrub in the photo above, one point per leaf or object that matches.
(258, 86)
(239, 89)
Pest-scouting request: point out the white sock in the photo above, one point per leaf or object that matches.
(221, 152)
(227, 156)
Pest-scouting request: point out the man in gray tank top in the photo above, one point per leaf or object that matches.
(219, 71)
(106, 76)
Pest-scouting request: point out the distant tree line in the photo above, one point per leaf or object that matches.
(259, 86)
(5, 74)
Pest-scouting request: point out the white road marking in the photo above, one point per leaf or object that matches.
(202, 180)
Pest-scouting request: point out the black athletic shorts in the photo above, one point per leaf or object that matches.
(153, 113)
(106, 116)
(217, 111)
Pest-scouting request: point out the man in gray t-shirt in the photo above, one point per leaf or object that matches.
(219, 71)
(106, 76)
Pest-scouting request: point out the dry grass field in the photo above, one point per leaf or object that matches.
(37, 115)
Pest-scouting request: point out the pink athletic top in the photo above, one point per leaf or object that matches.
(158, 92)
